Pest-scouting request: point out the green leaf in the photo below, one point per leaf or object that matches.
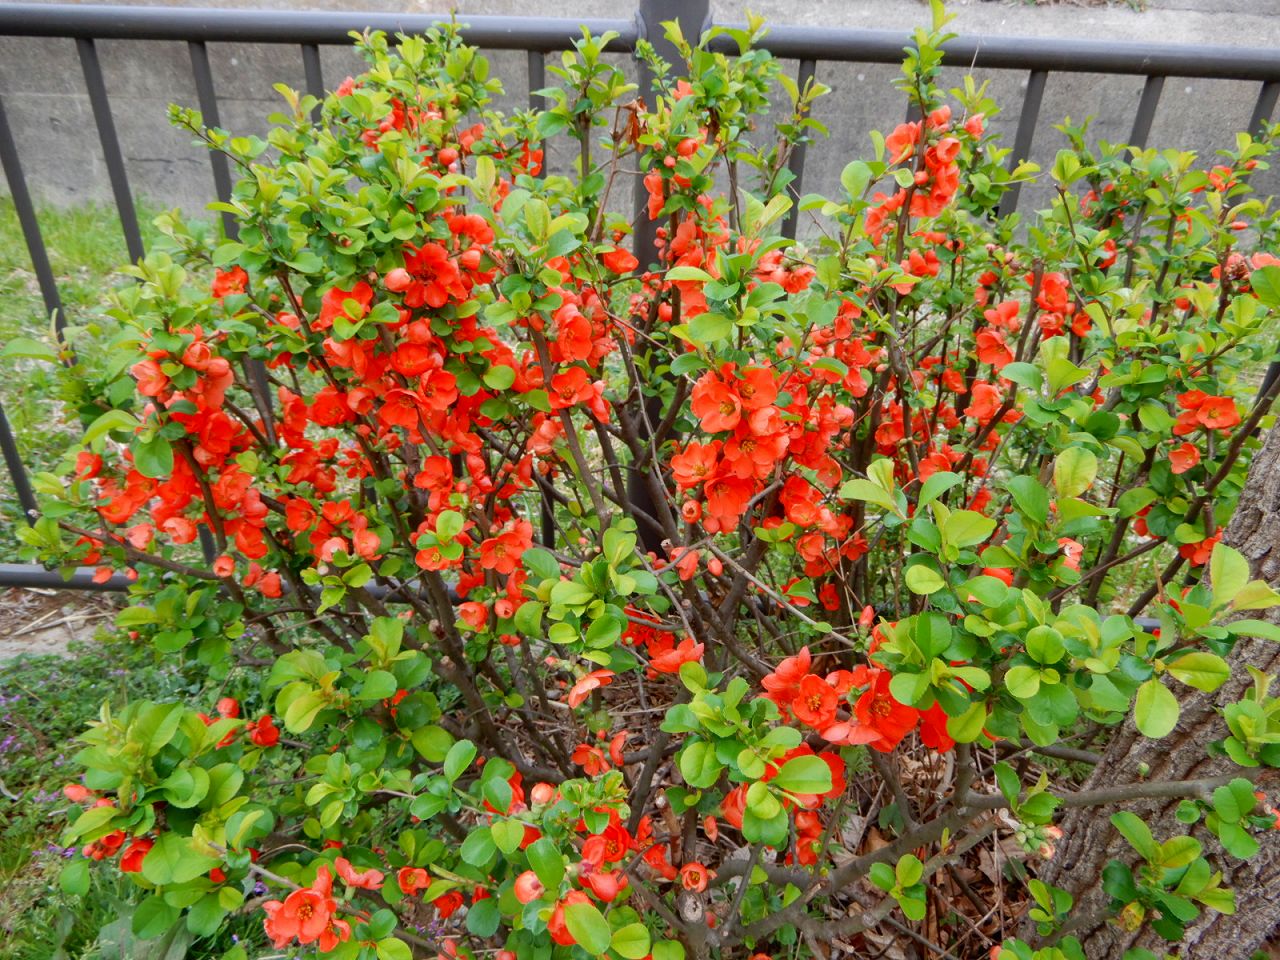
(1137, 833)
(1265, 282)
(909, 870)
(547, 862)
(507, 834)
(808, 775)
(913, 908)
(1074, 471)
(631, 941)
(173, 860)
(449, 524)
(432, 742)
(1228, 573)
(499, 377)
(1155, 710)
(73, 880)
(772, 832)
(698, 764)
(154, 457)
(924, 580)
(1255, 595)
(458, 759)
(378, 685)
(1031, 498)
(112, 420)
(964, 528)
(152, 918)
(1023, 374)
(29, 349)
(854, 178)
(1254, 628)
(484, 917)
(937, 484)
(859, 489)
(1178, 852)
(1233, 805)
(1200, 669)
(1023, 681)
(689, 273)
(709, 327)
(541, 563)
(393, 949)
(588, 927)
(881, 874)
(478, 848)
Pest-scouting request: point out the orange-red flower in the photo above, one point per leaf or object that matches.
(694, 877)
(134, 854)
(1183, 458)
(413, 879)
(716, 404)
(369, 879)
(592, 681)
(879, 710)
(307, 915)
(227, 282)
(815, 702)
(671, 659)
(528, 887)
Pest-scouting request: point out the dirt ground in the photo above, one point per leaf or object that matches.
(47, 621)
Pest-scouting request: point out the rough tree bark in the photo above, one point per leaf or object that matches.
(1090, 841)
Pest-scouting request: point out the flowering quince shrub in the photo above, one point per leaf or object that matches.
(562, 604)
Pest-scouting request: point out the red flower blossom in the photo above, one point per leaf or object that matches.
(134, 854)
(592, 681)
(878, 710)
(227, 282)
(815, 704)
(619, 261)
(694, 877)
(1183, 458)
(671, 659)
(307, 915)
(264, 733)
(369, 879)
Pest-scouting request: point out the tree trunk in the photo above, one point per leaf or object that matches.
(1090, 841)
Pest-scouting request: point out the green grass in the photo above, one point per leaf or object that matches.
(86, 249)
(45, 702)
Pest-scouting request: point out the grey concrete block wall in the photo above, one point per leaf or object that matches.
(43, 88)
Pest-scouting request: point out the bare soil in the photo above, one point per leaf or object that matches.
(48, 621)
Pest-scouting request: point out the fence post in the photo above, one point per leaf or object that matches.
(694, 16)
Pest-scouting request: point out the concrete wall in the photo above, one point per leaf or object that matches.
(43, 88)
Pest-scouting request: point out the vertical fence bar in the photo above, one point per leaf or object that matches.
(693, 16)
(804, 76)
(101, 106)
(1265, 105)
(537, 73)
(314, 75)
(26, 212)
(1027, 120)
(17, 469)
(1147, 104)
(1262, 110)
(537, 76)
(208, 98)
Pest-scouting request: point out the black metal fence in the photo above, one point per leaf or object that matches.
(306, 31)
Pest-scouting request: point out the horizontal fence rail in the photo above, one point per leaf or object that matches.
(309, 30)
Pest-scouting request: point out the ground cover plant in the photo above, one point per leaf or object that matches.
(737, 603)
